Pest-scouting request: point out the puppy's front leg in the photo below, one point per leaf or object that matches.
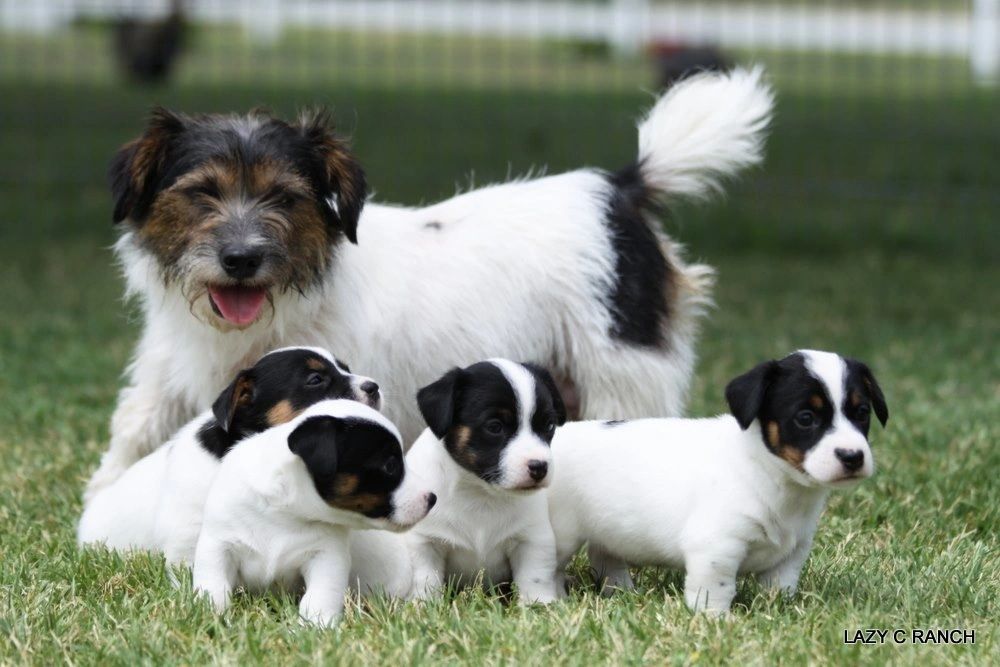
(784, 576)
(326, 576)
(428, 568)
(533, 565)
(710, 582)
(214, 571)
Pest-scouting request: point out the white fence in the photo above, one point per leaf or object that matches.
(629, 24)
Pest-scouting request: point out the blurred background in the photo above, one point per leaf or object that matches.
(881, 174)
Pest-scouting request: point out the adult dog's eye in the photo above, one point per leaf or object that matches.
(494, 427)
(805, 419)
(315, 380)
(550, 426)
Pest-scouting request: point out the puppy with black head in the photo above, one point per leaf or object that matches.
(739, 493)
(487, 452)
(282, 506)
(157, 504)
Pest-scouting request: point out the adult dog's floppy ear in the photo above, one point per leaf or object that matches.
(745, 394)
(237, 395)
(437, 402)
(137, 169)
(339, 181)
(874, 391)
(545, 378)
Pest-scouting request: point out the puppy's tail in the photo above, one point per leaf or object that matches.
(704, 130)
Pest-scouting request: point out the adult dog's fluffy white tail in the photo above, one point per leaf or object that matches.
(703, 130)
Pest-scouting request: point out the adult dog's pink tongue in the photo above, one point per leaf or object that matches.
(239, 305)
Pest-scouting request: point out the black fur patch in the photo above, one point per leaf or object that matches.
(178, 144)
(274, 390)
(355, 464)
(793, 406)
(476, 412)
(639, 298)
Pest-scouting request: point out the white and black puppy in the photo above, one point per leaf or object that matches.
(157, 504)
(487, 452)
(722, 496)
(244, 233)
(282, 506)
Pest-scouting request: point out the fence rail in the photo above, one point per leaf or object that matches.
(629, 24)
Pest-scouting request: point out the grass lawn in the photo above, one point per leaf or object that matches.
(871, 230)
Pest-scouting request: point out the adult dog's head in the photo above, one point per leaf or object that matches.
(235, 210)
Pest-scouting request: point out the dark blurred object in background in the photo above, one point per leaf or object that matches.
(148, 48)
(675, 60)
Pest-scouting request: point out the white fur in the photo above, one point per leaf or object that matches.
(480, 529)
(714, 126)
(265, 525)
(697, 494)
(157, 504)
(520, 270)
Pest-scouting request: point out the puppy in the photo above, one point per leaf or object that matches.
(281, 507)
(721, 496)
(487, 452)
(244, 233)
(157, 505)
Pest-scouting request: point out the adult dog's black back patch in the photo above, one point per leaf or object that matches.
(638, 299)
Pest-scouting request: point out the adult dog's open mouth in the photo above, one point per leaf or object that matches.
(237, 304)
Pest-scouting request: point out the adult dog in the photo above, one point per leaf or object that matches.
(244, 233)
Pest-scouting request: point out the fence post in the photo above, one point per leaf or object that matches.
(265, 19)
(984, 51)
(628, 27)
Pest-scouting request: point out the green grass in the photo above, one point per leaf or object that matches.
(871, 230)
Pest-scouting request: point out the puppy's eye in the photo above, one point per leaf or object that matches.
(315, 380)
(550, 426)
(805, 419)
(494, 426)
(863, 412)
(391, 467)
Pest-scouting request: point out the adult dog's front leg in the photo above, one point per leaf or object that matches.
(145, 418)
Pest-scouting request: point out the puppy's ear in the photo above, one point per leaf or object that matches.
(237, 396)
(339, 177)
(874, 391)
(543, 377)
(745, 394)
(437, 402)
(137, 168)
(315, 442)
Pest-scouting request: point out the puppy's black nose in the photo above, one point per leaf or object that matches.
(369, 388)
(538, 469)
(852, 459)
(431, 501)
(241, 261)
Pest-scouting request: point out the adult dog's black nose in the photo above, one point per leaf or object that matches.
(241, 261)
(538, 469)
(852, 459)
(369, 387)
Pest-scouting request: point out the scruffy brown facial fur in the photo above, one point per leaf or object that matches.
(238, 203)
